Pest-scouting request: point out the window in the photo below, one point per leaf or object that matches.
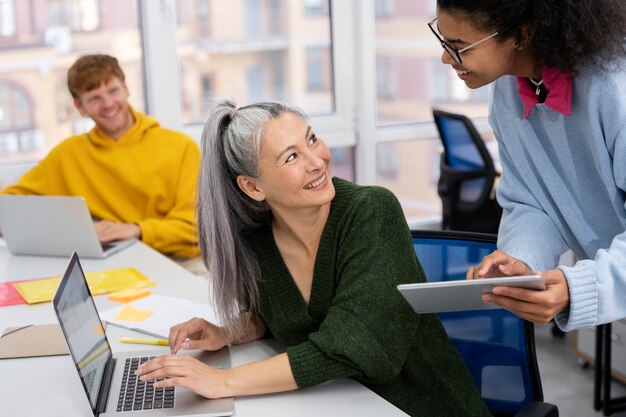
(204, 18)
(384, 8)
(410, 79)
(254, 52)
(7, 18)
(65, 109)
(36, 109)
(207, 90)
(315, 7)
(253, 21)
(254, 78)
(16, 120)
(279, 89)
(314, 67)
(276, 18)
(79, 15)
(342, 163)
(385, 81)
(16, 108)
(411, 170)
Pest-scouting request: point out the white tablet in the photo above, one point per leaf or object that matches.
(461, 295)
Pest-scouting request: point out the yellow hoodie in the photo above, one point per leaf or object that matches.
(147, 176)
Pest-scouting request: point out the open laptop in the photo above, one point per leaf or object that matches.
(102, 373)
(52, 226)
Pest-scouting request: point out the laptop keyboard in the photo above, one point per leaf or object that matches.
(136, 394)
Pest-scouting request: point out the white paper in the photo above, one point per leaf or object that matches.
(166, 312)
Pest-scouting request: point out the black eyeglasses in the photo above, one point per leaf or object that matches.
(451, 50)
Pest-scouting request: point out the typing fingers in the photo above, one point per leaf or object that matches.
(186, 372)
(179, 334)
(162, 367)
(176, 337)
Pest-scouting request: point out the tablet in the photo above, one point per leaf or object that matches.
(461, 295)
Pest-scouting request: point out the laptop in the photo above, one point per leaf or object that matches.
(102, 373)
(461, 295)
(52, 226)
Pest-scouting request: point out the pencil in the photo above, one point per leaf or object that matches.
(160, 342)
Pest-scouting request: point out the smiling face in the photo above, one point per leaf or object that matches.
(485, 62)
(294, 166)
(107, 105)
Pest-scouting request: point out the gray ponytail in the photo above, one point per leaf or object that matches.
(231, 146)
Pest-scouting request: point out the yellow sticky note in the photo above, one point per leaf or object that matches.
(130, 313)
(38, 291)
(112, 280)
(129, 294)
(103, 282)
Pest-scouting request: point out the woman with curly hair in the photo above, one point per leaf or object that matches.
(558, 110)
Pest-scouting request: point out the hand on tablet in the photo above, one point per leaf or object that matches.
(498, 264)
(536, 306)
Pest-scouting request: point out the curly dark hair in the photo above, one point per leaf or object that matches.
(563, 34)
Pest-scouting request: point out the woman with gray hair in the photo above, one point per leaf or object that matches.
(315, 261)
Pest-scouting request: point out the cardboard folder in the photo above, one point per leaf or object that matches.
(32, 341)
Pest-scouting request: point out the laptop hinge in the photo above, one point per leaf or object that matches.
(105, 387)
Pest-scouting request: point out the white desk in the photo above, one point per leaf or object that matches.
(50, 386)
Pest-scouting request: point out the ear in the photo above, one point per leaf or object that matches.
(79, 106)
(521, 43)
(249, 187)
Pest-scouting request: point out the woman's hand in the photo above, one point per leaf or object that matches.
(196, 334)
(262, 377)
(536, 306)
(498, 264)
(187, 372)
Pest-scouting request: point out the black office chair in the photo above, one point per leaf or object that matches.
(467, 176)
(497, 346)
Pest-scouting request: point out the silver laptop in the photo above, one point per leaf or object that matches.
(52, 226)
(103, 374)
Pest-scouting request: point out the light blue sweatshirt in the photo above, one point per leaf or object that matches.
(563, 186)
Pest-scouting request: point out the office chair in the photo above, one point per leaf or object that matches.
(497, 346)
(467, 176)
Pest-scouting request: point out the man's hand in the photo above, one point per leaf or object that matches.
(109, 231)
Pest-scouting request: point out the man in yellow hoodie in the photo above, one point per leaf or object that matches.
(138, 178)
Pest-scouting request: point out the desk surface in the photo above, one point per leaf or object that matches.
(45, 386)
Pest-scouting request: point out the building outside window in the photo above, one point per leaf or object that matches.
(316, 7)
(256, 50)
(37, 110)
(7, 18)
(78, 15)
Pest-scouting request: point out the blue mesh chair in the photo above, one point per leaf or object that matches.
(498, 347)
(467, 176)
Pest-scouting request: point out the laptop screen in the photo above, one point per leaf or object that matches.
(83, 329)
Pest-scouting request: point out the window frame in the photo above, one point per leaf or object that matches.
(158, 22)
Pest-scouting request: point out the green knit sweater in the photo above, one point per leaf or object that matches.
(356, 323)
